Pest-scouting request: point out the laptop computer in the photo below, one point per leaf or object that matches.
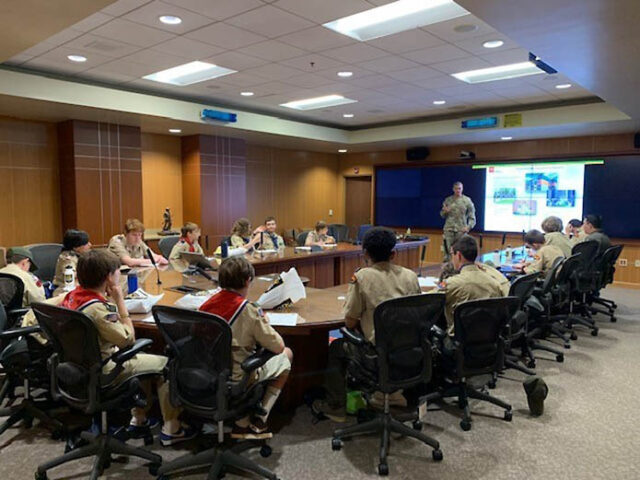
(197, 260)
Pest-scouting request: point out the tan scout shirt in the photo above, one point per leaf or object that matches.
(371, 286)
(268, 243)
(471, 283)
(66, 257)
(559, 240)
(251, 328)
(30, 320)
(543, 259)
(112, 333)
(462, 214)
(577, 238)
(33, 289)
(505, 284)
(182, 246)
(315, 238)
(237, 241)
(118, 245)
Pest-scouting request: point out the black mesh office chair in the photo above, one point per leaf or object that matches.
(585, 278)
(11, 295)
(302, 238)
(166, 244)
(606, 268)
(77, 378)
(362, 231)
(521, 288)
(339, 231)
(402, 327)
(200, 368)
(45, 255)
(477, 350)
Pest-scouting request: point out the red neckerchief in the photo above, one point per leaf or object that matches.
(225, 304)
(80, 297)
(192, 249)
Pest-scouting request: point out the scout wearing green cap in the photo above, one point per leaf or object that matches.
(21, 265)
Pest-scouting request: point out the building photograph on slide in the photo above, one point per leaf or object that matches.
(519, 196)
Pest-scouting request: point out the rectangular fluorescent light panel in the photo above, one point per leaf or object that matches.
(396, 17)
(318, 102)
(189, 73)
(501, 72)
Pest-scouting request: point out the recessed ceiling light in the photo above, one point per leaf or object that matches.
(396, 17)
(493, 44)
(501, 72)
(189, 73)
(246, 94)
(562, 86)
(342, 150)
(506, 138)
(175, 130)
(77, 58)
(318, 102)
(345, 74)
(170, 20)
(439, 102)
(348, 115)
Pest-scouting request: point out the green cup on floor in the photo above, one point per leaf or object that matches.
(355, 402)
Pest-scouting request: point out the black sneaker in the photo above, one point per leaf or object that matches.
(248, 433)
(182, 435)
(141, 431)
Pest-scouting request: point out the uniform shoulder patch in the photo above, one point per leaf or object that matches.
(354, 279)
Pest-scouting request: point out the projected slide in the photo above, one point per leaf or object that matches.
(519, 197)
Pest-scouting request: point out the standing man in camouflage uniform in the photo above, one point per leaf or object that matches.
(460, 217)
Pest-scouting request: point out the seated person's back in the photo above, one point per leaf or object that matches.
(592, 227)
(545, 255)
(552, 227)
(20, 264)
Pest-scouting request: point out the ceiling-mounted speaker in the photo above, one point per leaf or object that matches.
(416, 154)
(636, 140)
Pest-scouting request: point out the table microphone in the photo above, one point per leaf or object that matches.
(504, 238)
(153, 262)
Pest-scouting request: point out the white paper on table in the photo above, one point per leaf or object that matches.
(290, 289)
(282, 319)
(194, 302)
(266, 279)
(268, 250)
(148, 319)
(142, 304)
(428, 281)
(304, 249)
(234, 252)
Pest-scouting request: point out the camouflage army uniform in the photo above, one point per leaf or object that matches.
(461, 216)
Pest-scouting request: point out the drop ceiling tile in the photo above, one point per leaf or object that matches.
(404, 90)
(389, 63)
(132, 33)
(217, 9)
(474, 45)
(102, 76)
(442, 53)
(157, 60)
(312, 63)
(53, 65)
(479, 97)
(64, 36)
(445, 30)
(441, 81)
(92, 21)
(60, 55)
(272, 50)
(505, 57)
(323, 11)
(414, 74)
(18, 59)
(38, 49)
(357, 53)
(406, 41)
(373, 81)
(185, 47)
(498, 85)
(332, 73)
(102, 46)
(340, 88)
(270, 21)
(461, 65)
(225, 36)
(540, 99)
(127, 67)
(236, 61)
(240, 80)
(307, 80)
(149, 15)
(316, 39)
(365, 95)
(123, 6)
(521, 91)
(459, 90)
(273, 71)
(271, 88)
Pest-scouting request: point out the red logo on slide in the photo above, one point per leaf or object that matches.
(491, 169)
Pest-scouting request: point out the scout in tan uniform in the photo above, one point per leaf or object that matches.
(460, 217)
(368, 288)
(505, 284)
(241, 235)
(20, 264)
(319, 236)
(188, 242)
(552, 228)
(99, 276)
(130, 248)
(545, 254)
(74, 243)
(574, 231)
(267, 232)
(249, 327)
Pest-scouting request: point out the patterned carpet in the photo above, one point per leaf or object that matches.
(589, 429)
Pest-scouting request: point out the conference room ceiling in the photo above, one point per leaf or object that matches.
(283, 53)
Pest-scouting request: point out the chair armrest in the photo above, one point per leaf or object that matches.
(438, 332)
(18, 332)
(257, 360)
(17, 312)
(353, 337)
(122, 356)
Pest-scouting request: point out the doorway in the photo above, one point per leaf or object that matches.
(358, 203)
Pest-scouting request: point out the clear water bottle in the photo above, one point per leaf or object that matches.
(69, 278)
(508, 254)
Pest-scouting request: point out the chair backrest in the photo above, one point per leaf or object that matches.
(479, 329)
(571, 266)
(166, 244)
(523, 286)
(339, 231)
(362, 230)
(608, 264)
(552, 275)
(45, 255)
(402, 328)
(11, 291)
(302, 237)
(4, 321)
(200, 351)
(588, 253)
(3, 257)
(74, 338)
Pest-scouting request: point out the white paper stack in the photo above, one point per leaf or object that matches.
(428, 281)
(141, 301)
(193, 301)
(282, 319)
(290, 289)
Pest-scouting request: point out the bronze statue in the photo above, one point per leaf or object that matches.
(166, 217)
